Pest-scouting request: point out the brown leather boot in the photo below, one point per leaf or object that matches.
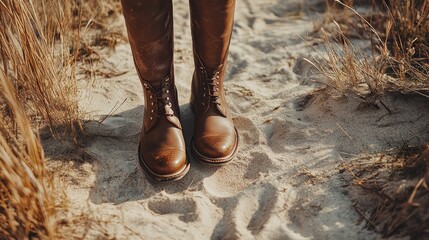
(215, 138)
(162, 151)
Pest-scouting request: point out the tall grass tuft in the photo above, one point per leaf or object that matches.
(41, 76)
(37, 89)
(40, 42)
(408, 40)
(26, 200)
(346, 70)
(399, 60)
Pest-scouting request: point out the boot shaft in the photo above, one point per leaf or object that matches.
(150, 33)
(211, 24)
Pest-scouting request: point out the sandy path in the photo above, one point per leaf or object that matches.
(284, 182)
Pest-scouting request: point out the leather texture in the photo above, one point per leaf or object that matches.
(150, 33)
(215, 138)
(162, 151)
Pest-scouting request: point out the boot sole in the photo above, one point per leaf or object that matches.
(216, 161)
(162, 178)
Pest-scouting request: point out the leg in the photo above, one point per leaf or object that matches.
(162, 152)
(215, 137)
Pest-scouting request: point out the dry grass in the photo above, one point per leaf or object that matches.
(46, 91)
(399, 60)
(395, 190)
(346, 70)
(337, 16)
(26, 200)
(408, 41)
(390, 190)
(41, 42)
(37, 89)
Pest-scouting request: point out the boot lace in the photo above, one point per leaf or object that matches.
(211, 84)
(160, 96)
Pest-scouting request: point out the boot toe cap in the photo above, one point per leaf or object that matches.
(215, 147)
(166, 162)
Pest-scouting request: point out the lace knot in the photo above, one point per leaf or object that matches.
(211, 84)
(161, 97)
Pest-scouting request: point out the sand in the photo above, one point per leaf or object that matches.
(284, 182)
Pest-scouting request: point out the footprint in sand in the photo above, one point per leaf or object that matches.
(267, 199)
(185, 208)
(249, 133)
(246, 213)
(237, 64)
(227, 181)
(283, 135)
(260, 163)
(281, 9)
(263, 46)
(243, 99)
(113, 126)
(279, 131)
